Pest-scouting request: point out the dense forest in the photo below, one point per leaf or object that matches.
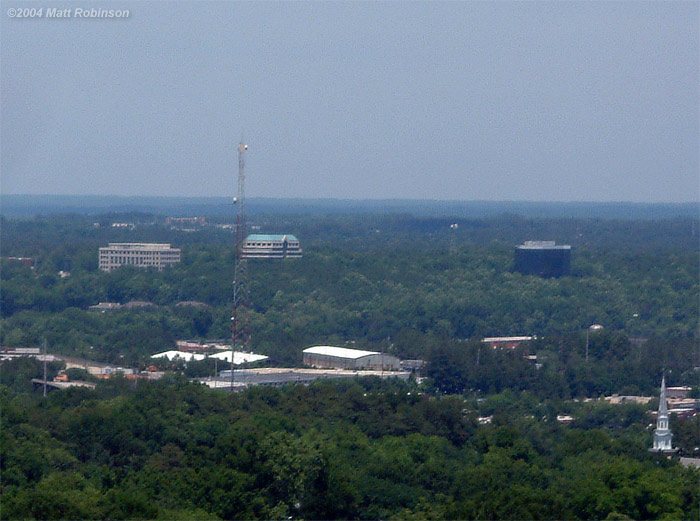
(364, 449)
(477, 438)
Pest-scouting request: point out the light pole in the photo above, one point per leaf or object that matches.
(453, 245)
(635, 340)
(593, 327)
(233, 346)
(45, 357)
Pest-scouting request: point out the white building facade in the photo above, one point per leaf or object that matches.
(141, 255)
(258, 246)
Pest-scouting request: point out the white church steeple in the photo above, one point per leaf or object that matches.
(662, 435)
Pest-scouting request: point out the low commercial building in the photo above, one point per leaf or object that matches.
(192, 347)
(678, 392)
(276, 376)
(412, 365)
(617, 399)
(106, 372)
(185, 221)
(543, 258)
(136, 304)
(105, 306)
(20, 351)
(343, 358)
(97, 369)
(506, 342)
(192, 304)
(25, 261)
(258, 246)
(8, 353)
(141, 255)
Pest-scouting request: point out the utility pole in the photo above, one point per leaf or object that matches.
(453, 242)
(45, 356)
(239, 326)
(592, 327)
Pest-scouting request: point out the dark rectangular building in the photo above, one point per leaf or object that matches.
(543, 258)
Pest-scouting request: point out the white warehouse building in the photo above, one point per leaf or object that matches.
(343, 358)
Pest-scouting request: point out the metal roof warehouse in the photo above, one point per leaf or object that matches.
(344, 358)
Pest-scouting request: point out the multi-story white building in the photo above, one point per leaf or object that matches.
(137, 254)
(259, 246)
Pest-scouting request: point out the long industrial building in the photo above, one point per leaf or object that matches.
(543, 258)
(141, 255)
(275, 376)
(343, 358)
(258, 246)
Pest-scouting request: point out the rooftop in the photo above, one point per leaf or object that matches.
(340, 352)
(542, 245)
(271, 238)
(170, 355)
(507, 339)
(238, 357)
(138, 246)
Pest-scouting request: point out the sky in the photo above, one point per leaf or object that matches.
(461, 100)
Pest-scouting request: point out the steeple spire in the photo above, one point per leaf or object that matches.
(662, 435)
(663, 407)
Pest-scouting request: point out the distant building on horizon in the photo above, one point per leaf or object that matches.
(25, 261)
(259, 246)
(141, 255)
(105, 306)
(506, 342)
(178, 222)
(543, 258)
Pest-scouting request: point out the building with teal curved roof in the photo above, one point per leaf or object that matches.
(263, 246)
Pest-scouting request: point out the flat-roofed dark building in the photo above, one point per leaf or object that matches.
(543, 258)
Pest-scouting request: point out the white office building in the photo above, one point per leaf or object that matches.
(259, 246)
(141, 255)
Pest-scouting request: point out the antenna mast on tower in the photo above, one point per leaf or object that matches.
(239, 326)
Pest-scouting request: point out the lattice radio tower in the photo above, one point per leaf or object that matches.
(240, 332)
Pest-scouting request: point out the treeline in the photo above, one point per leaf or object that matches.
(350, 450)
(561, 370)
(375, 294)
(393, 283)
(43, 235)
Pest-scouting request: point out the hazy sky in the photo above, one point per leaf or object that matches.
(563, 101)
